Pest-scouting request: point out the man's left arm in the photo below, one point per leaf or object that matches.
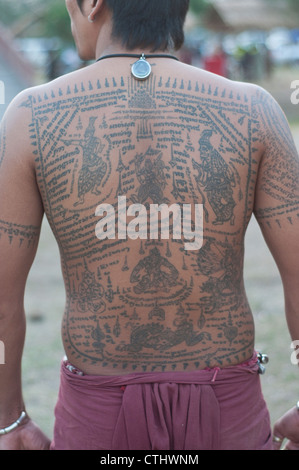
(21, 213)
(276, 210)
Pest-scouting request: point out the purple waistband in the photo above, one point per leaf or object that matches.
(202, 376)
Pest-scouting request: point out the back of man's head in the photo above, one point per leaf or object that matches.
(149, 24)
(154, 24)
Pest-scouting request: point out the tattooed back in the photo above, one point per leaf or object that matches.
(138, 301)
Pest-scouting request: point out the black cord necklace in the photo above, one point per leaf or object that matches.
(141, 69)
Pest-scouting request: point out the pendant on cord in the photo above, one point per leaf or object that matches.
(141, 69)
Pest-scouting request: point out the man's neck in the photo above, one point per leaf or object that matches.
(107, 46)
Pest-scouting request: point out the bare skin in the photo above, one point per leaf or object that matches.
(182, 137)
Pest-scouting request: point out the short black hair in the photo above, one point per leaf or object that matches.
(153, 24)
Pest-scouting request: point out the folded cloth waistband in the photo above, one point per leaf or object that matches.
(201, 376)
(162, 410)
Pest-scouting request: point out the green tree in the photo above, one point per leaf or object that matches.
(57, 22)
(199, 6)
(291, 5)
(32, 18)
(294, 4)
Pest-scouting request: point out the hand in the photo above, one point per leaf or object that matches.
(287, 427)
(27, 436)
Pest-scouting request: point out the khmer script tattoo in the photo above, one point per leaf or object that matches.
(19, 235)
(144, 305)
(16, 234)
(280, 175)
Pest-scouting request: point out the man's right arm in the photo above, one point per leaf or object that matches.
(21, 212)
(277, 212)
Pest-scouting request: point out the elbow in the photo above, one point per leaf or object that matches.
(11, 308)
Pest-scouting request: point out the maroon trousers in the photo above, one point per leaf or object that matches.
(215, 409)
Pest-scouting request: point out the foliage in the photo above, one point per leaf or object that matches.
(198, 6)
(291, 5)
(9, 11)
(295, 4)
(57, 22)
(32, 18)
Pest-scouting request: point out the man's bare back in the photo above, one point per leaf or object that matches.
(182, 137)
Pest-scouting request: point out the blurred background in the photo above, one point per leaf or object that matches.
(251, 40)
(247, 40)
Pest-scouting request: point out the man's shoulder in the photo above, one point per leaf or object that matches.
(45, 91)
(224, 83)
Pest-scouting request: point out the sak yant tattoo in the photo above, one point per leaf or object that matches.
(19, 235)
(279, 176)
(141, 302)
